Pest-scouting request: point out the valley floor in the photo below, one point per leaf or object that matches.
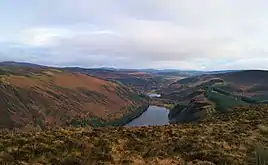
(225, 139)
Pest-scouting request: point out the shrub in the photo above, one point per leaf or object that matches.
(71, 161)
(261, 152)
(106, 87)
(222, 91)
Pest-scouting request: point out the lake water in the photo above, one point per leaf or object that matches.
(154, 95)
(153, 116)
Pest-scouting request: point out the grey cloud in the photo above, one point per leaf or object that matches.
(152, 33)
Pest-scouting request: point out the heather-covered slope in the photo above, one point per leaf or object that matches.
(228, 139)
(46, 96)
(251, 83)
(201, 96)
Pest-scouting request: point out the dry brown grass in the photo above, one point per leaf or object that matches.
(224, 139)
(47, 96)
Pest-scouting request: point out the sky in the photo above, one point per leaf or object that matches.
(171, 34)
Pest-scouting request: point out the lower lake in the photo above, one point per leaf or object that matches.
(154, 115)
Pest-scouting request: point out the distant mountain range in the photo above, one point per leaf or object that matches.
(150, 71)
(20, 64)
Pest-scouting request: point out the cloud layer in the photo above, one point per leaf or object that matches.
(183, 34)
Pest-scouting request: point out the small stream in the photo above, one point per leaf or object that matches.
(154, 115)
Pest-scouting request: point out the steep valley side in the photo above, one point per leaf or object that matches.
(217, 123)
(48, 97)
(199, 97)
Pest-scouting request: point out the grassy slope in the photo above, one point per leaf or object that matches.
(52, 97)
(224, 91)
(223, 139)
(223, 102)
(248, 83)
(205, 102)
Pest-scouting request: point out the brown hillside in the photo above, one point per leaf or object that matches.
(50, 96)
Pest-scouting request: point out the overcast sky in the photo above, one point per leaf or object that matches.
(181, 34)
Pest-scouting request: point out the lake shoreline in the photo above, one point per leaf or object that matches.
(140, 110)
(129, 117)
(151, 103)
(154, 115)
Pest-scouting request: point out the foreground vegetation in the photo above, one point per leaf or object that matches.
(221, 139)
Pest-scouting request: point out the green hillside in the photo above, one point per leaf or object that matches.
(223, 101)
